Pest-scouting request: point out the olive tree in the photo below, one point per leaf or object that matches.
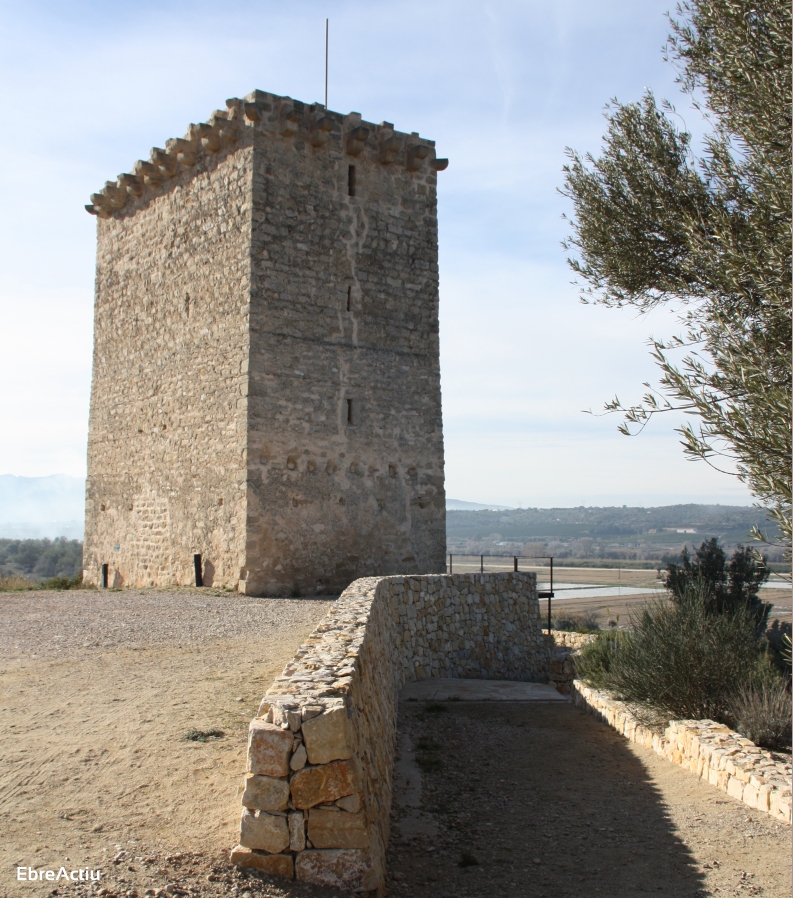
(654, 223)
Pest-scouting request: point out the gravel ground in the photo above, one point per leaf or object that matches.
(63, 624)
(100, 694)
(97, 692)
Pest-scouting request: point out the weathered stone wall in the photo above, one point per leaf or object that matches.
(710, 750)
(344, 310)
(167, 431)
(266, 383)
(320, 759)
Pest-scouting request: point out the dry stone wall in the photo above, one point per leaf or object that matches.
(266, 386)
(569, 639)
(317, 795)
(710, 750)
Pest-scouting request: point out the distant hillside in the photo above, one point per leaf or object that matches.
(38, 559)
(618, 533)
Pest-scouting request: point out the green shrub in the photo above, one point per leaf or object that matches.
(761, 712)
(777, 637)
(75, 582)
(15, 584)
(594, 663)
(684, 660)
(577, 623)
(729, 584)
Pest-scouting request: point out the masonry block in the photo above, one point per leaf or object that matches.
(328, 737)
(318, 785)
(264, 832)
(271, 864)
(266, 793)
(337, 829)
(348, 869)
(269, 749)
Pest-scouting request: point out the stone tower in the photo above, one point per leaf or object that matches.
(266, 382)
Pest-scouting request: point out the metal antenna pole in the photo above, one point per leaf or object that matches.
(326, 63)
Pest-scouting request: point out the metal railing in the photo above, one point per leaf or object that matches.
(516, 559)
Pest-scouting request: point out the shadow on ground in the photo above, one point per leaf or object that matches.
(527, 800)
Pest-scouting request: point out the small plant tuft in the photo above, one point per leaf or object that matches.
(194, 735)
(762, 714)
(577, 623)
(467, 859)
(15, 584)
(75, 582)
(427, 754)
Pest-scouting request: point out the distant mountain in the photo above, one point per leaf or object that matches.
(35, 507)
(459, 505)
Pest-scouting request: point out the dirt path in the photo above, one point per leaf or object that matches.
(543, 801)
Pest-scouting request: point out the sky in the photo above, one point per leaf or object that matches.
(503, 87)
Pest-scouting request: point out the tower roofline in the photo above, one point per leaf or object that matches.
(309, 126)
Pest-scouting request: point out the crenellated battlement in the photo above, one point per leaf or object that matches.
(310, 128)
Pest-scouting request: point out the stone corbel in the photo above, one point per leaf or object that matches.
(185, 151)
(132, 184)
(439, 164)
(389, 148)
(290, 121)
(252, 112)
(116, 195)
(226, 123)
(210, 137)
(167, 163)
(151, 174)
(356, 140)
(101, 206)
(321, 131)
(416, 156)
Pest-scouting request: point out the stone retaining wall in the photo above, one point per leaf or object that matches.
(712, 751)
(563, 646)
(570, 640)
(317, 797)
